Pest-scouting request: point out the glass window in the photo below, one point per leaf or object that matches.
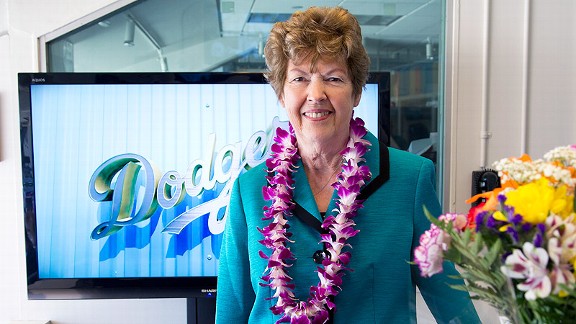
(403, 37)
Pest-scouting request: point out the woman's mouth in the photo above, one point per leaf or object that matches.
(316, 114)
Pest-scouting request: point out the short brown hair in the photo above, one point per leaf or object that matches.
(332, 33)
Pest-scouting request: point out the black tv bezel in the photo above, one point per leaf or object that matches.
(139, 287)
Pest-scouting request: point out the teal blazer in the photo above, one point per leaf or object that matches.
(381, 287)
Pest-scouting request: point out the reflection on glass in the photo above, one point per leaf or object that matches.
(209, 35)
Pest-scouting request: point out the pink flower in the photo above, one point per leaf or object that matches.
(459, 221)
(564, 230)
(529, 264)
(560, 273)
(429, 255)
(562, 249)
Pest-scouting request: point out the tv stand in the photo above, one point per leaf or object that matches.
(201, 310)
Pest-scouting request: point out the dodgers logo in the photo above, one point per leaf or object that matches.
(124, 210)
(132, 189)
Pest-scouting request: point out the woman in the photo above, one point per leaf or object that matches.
(315, 254)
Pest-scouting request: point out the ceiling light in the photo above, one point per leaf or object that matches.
(129, 29)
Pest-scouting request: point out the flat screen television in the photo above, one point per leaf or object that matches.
(126, 176)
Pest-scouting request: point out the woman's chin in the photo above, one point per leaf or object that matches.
(324, 136)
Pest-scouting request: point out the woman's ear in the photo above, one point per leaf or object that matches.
(357, 99)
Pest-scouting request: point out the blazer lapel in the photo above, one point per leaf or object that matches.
(303, 196)
(378, 160)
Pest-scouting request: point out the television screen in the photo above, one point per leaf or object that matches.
(127, 175)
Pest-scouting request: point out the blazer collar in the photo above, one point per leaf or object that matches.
(377, 159)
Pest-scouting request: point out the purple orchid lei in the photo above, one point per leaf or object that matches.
(339, 227)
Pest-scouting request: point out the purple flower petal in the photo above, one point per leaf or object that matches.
(340, 227)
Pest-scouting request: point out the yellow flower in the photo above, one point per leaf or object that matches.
(535, 200)
(499, 216)
(563, 203)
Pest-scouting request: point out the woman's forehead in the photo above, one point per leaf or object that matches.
(320, 64)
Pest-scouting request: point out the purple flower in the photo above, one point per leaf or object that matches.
(281, 165)
(491, 222)
(479, 220)
(539, 236)
(516, 219)
(513, 234)
(526, 227)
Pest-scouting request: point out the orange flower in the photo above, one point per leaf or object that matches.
(491, 199)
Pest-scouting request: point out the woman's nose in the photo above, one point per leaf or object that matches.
(316, 90)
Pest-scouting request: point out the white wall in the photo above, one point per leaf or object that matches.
(521, 74)
(494, 73)
(21, 23)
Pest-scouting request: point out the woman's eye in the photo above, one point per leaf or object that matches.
(334, 79)
(298, 79)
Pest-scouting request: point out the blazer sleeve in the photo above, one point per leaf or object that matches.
(446, 304)
(235, 295)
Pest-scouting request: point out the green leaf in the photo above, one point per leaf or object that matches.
(494, 252)
(478, 243)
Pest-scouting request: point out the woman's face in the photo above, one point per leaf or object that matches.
(319, 103)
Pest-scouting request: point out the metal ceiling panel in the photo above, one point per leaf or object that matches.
(289, 6)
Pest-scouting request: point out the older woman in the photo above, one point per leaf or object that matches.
(325, 231)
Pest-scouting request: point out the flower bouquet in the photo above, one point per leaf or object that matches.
(516, 249)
